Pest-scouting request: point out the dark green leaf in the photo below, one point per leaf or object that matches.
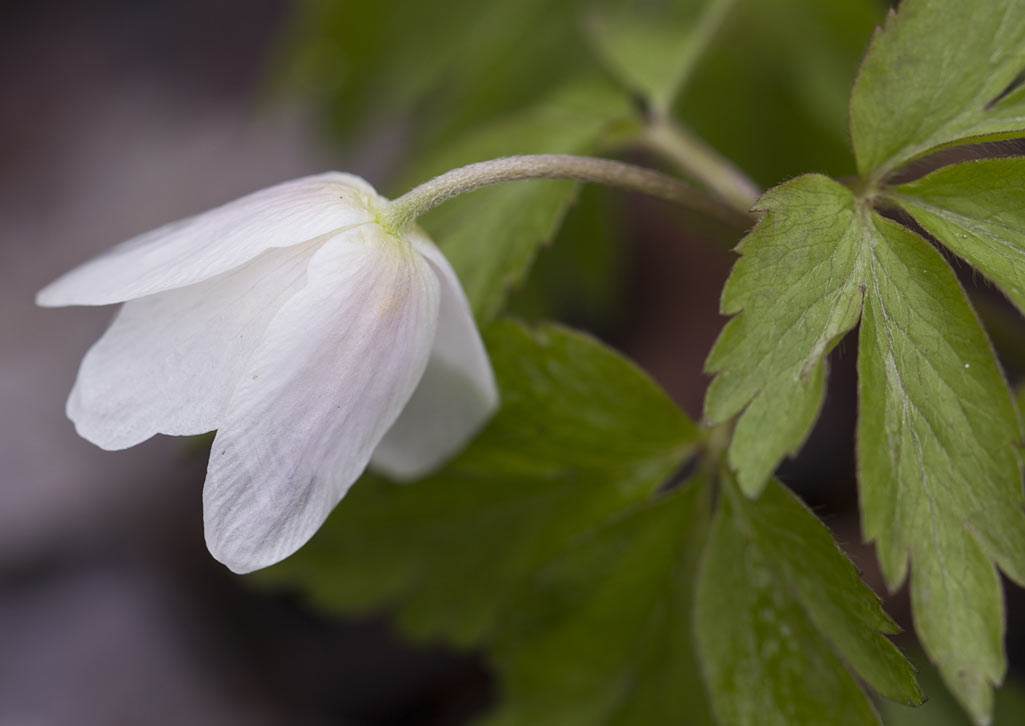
(604, 635)
(591, 243)
(779, 610)
(772, 91)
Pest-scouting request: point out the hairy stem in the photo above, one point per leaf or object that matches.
(697, 159)
(402, 211)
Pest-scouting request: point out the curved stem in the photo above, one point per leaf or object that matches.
(402, 211)
(695, 158)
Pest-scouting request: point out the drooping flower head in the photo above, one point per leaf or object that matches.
(312, 338)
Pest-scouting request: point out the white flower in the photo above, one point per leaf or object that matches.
(313, 340)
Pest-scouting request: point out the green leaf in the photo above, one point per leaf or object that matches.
(977, 210)
(604, 635)
(492, 236)
(934, 76)
(779, 610)
(571, 404)
(938, 436)
(938, 457)
(795, 291)
(582, 433)
(652, 50)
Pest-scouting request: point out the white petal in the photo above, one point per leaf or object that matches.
(335, 368)
(195, 249)
(457, 394)
(170, 362)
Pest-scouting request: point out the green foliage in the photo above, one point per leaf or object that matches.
(481, 80)
(780, 610)
(455, 65)
(652, 51)
(591, 243)
(492, 236)
(581, 434)
(943, 710)
(772, 92)
(938, 432)
(938, 459)
(935, 76)
(795, 291)
(977, 210)
(938, 435)
(549, 541)
(604, 635)
(449, 65)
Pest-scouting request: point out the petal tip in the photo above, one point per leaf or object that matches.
(68, 289)
(106, 440)
(49, 297)
(232, 552)
(240, 554)
(105, 432)
(239, 566)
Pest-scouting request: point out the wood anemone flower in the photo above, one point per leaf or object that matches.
(312, 338)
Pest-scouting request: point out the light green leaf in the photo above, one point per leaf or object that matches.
(794, 292)
(779, 610)
(938, 455)
(977, 210)
(604, 635)
(938, 439)
(492, 236)
(934, 76)
(652, 50)
(582, 433)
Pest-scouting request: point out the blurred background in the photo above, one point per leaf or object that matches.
(120, 116)
(117, 117)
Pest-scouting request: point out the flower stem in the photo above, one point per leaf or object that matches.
(697, 159)
(402, 211)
